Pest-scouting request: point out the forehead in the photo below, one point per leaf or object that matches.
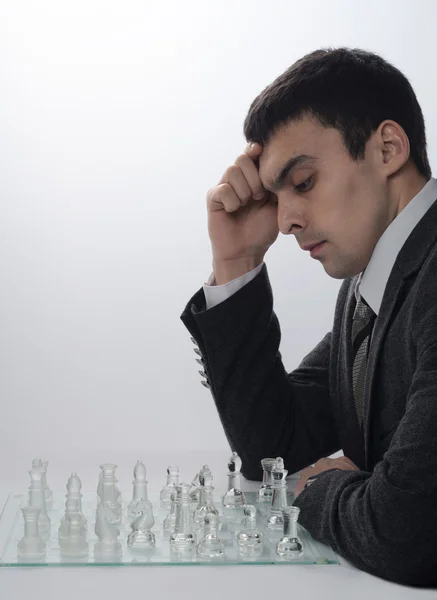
(306, 136)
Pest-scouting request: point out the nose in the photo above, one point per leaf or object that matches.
(291, 217)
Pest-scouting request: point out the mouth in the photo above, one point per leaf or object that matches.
(313, 248)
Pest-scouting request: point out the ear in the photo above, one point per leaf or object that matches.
(393, 147)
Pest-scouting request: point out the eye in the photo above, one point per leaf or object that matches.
(305, 185)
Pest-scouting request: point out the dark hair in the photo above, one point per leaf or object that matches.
(349, 89)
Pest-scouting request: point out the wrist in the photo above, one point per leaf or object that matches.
(225, 271)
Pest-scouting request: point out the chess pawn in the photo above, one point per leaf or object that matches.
(172, 481)
(234, 497)
(107, 531)
(139, 489)
(170, 519)
(74, 487)
(290, 546)
(37, 499)
(141, 537)
(250, 540)
(210, 547)
(109, 492)
(265, 491)
(31, 545)
(183, 538)
(206, 504)
(37, 462)
(74, 544)
(195, 486)
(71, 507)
(279, 499)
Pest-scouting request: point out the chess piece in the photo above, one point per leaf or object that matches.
(172, 481)
(31, 546)
(37, 499)
(195, 486)
(279, 499)
(72, 541)
(170, 520)
(183, 538)
(141, 536)
(206, 504)
(234, 497)
(108, 490)
(74, 486)
(265, 491)
(139, 489)
(250, 540)
(37, 462)
(107, 531)
(210, 547)
(290, 546)
(71, 507)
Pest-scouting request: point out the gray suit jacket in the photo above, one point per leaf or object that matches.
(383, 518)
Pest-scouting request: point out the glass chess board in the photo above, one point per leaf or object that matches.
(231, 521)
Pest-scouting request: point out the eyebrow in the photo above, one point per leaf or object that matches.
(292, 163)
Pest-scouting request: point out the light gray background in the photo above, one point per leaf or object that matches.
(115, 120)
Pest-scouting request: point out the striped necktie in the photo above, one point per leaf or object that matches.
(362, 326)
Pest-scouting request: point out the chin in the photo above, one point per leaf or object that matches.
(341, 271)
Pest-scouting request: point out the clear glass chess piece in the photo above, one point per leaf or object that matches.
(172, 481)
(74, 544)
(265, 492)
(210, 547)
(139, 489)
(74, 487)
(279, 500)
(290, 546)
(107, 531)
(108, 490)
(250, 540)
(170, 520)
(195, 486)
(234, 497)
(183, 539)
(71, 507)
(37, 499)
(37, 462)
(141, 536)
(31, 546)
(206, 503)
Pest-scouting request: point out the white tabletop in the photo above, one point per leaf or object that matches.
(191, 583)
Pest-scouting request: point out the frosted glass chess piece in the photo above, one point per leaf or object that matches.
(206, 504)
(31, 546)
(183, 539)
(195, 486)
(109, 492)
(250, 540)
(170, 519)
(37, 499)
(37, 462)
(74, 487)
(290, 546)
(107, 531)
(139, 489)
(265, 491)
(141, 536)
(172, 481)
(210, 547)
(234, 497)
(279, 500)
(71, 507)
(73, 541)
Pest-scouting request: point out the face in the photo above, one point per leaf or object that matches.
(329, 197)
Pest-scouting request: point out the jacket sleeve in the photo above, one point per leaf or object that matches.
(385, 522)
(265, 411)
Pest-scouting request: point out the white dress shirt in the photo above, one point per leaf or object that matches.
(373, 280)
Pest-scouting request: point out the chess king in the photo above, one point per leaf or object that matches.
(337, 158)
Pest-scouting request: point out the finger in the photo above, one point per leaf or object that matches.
(251, 174)
(253, 149)
(235, 178)
(223, 197)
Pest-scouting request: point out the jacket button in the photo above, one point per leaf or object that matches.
(205, 383)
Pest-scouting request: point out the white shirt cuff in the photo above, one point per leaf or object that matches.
(215, 294)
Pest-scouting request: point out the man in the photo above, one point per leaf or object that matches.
(337, 157)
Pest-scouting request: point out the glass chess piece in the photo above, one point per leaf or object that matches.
(170, 519)
(279, 500)
(250, 540)
(141, 536)
(183, 539)
(206, 504)
(74, 487)
(37, 462)
(108, 490)
(265, 491)
(71, 507)
(37, 499)
(234, 497)
(172, 481)
(139, 489)
(74, 544)
(195, 486)
(31, 545)
(290, 546)
(210, 547)
(106, 529)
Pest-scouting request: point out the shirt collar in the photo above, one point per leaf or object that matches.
(373, 280)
